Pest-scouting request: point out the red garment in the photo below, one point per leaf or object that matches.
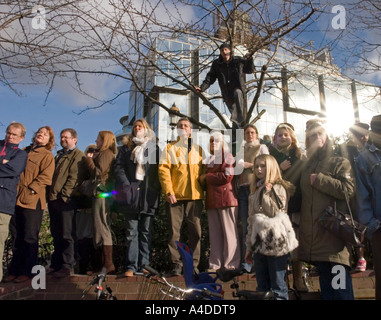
(220, 190)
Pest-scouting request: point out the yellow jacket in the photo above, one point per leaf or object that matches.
(179, 170)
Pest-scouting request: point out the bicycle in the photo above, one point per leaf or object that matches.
(101, 294)
(157, 287)
(226, 275)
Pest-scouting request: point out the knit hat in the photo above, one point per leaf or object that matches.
(312, 124)
(375, 124)
(225, 45)
(360, 128)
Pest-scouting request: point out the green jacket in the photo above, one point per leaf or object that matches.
(69, 171)
(316, 243)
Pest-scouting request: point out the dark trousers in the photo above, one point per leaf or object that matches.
(191, 211)
(236, 104)
(327, 275)
(25, 251)
(62, 227)
(376, 250)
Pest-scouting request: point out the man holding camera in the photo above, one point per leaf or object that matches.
(62, 208)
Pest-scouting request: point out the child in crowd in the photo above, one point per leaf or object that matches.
(252, 148)
(285, 149)
(270, 235)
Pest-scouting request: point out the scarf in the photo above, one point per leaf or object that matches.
(137, 156)
(2, 153)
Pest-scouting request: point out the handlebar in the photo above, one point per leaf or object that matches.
(152, 270)
(206, 292)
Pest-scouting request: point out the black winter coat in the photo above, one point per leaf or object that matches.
(230, 75)
(135, 196)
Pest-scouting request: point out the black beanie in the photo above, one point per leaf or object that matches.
(225, 45)
(375, 124)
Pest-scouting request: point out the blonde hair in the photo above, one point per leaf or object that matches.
(273, 173)
(144, 123)
(109, 141)
(294, 140)
(127, 140)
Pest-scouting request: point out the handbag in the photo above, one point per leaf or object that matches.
(91, 187)
(88, 187)
(273, 236)
(342, 224)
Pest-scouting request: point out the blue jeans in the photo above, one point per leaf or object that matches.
(138, 236)
(243, 213)
(271, 274)
(329, 277)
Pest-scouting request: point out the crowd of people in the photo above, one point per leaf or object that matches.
(263, 199)
(279, 185)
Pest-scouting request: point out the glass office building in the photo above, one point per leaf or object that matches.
(295, 90)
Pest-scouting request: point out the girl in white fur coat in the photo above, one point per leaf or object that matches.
(270, 235)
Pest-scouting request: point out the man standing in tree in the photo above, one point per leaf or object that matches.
(230, 72)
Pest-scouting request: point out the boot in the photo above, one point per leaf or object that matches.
(107, 255)
(298, 280)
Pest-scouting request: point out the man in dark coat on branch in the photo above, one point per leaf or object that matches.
(230, 72)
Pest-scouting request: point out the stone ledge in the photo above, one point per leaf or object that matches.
(71, 288)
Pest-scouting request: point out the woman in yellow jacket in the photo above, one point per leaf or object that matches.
(31, 203)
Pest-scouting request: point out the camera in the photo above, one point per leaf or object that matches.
(92, 150)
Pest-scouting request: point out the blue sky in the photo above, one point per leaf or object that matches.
(59, 113)
(63, 102)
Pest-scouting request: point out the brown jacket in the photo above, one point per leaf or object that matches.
(103, 164)
(37, 175)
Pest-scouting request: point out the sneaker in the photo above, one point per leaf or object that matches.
(361, 265)
(129, 273)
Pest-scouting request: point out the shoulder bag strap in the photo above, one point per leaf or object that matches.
(348, 205)
(278, 201)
